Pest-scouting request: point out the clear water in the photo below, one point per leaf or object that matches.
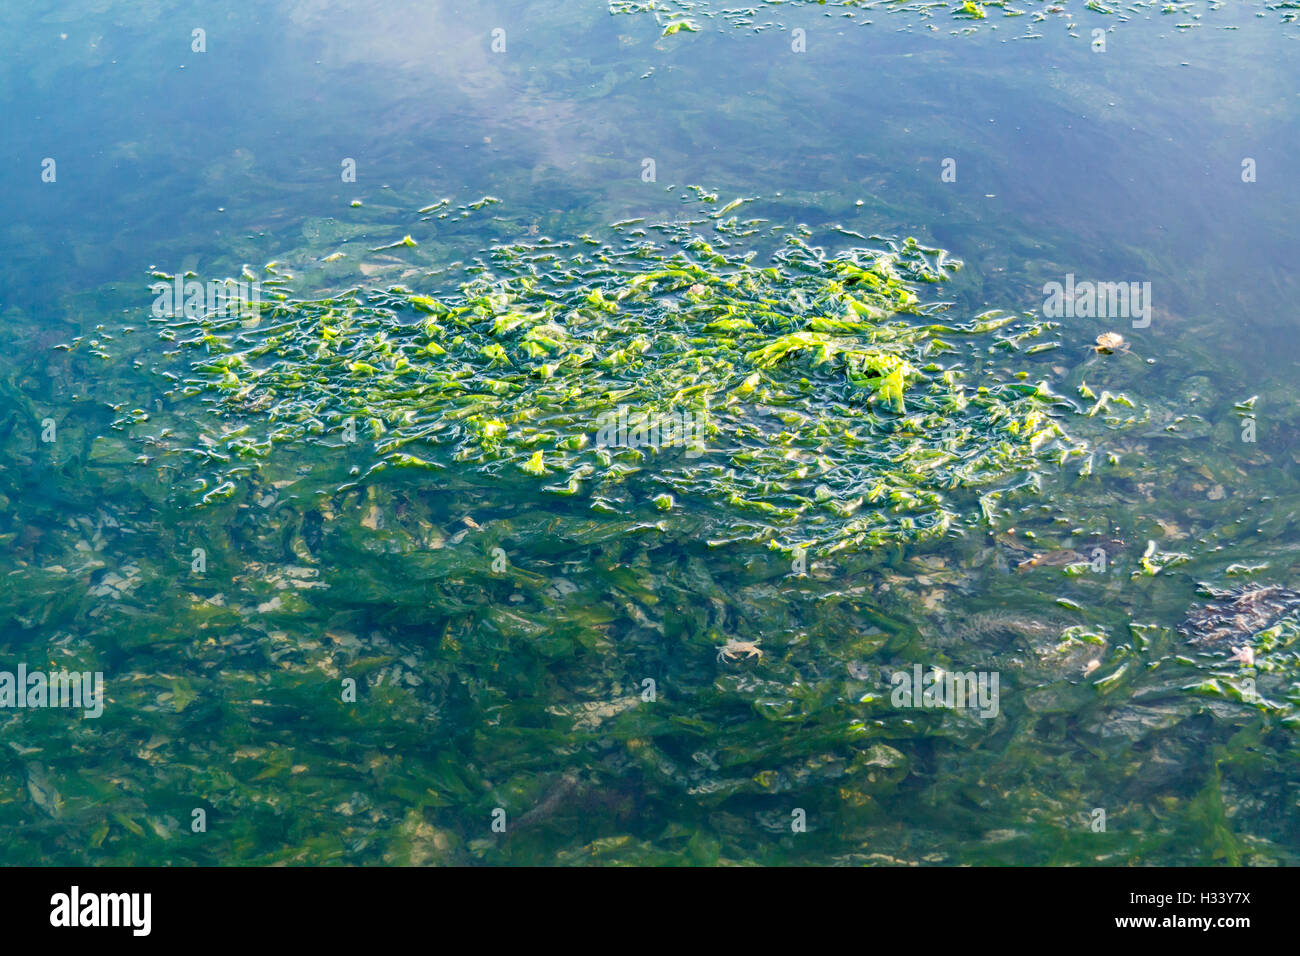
(523, 692)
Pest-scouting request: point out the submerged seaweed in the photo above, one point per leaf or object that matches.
(1238, 614)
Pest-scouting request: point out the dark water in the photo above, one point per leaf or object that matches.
(524, 691)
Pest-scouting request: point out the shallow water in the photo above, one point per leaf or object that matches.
(519, 687)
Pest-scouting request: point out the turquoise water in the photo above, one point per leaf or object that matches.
(511, 684)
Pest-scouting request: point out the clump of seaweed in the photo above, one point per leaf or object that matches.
(814, 399)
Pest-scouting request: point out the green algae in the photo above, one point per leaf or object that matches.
(813, 400)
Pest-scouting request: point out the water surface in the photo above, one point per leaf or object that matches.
(524, 690)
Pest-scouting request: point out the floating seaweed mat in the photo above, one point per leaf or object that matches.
(809, 399)
(686, 16)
